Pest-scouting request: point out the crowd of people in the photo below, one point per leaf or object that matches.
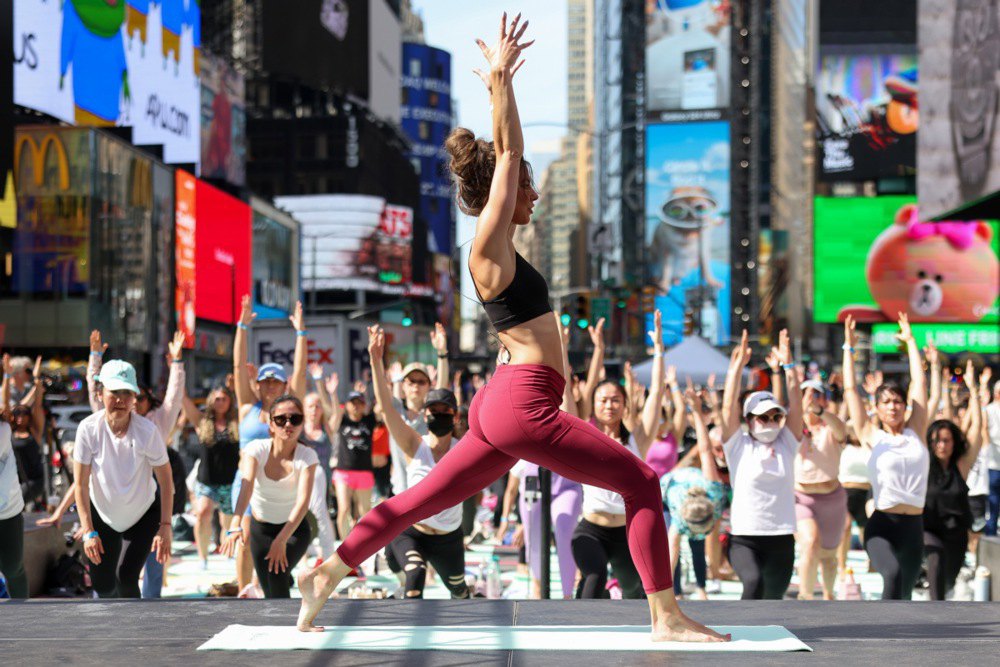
(748, 481)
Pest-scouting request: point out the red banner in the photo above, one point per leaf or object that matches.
(185, 228)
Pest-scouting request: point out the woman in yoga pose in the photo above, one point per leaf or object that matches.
(517, 414)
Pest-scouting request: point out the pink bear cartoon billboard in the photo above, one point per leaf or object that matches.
(933, 271)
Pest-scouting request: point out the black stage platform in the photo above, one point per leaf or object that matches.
(167, 632)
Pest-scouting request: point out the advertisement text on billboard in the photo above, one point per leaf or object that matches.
(887, 260)
(184, 258)
(687, 225)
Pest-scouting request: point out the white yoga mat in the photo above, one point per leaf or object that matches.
(489, 638)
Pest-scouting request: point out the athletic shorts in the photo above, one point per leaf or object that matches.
(220, 494)
(358, 480)
(978, 506)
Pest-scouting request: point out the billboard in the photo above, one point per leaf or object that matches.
(53, 169)
(888, 260)
(427, 121)
(353, 242)
(223, 122)
(275, 258)
(687, 226)
(954, 338)
(131, 64)
(185, 223)
(385, 47)
(222, 254)
(959, 157)
(322, 43)
(687, 55)
(866, 108)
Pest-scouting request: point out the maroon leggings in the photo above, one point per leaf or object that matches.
(517, 416)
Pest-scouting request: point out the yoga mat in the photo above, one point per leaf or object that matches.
(491, 638)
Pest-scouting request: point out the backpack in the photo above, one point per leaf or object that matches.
(68, 577)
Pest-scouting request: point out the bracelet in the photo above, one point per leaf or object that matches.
(302, 332)
(443, 356)
(788, 367)
(317, 378)
(91, 535)
(240, 325)
(657, 354)
(847, 348)
(177, 361)
(234, 531)
(166, 523)
(95, 353)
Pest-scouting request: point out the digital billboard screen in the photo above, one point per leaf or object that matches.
(353, 242)
(222, 254)
(687, 235)
(130, 64)
(322, 43)
(687, 54)
(866, 108)
(959, 150)
(185, 263)
(223, 122)
(875, 257)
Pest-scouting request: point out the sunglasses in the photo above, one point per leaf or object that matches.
(293, 419)
(770, 419)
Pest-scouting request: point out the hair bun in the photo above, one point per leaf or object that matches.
(472, 162)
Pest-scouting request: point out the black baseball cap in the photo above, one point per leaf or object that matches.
(443, 396)
(356, 396)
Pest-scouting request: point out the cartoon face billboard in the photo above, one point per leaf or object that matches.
(100, 63)
(687, 225)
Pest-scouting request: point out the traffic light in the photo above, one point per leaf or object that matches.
(583, 311)
(565, 318)
(407, 320)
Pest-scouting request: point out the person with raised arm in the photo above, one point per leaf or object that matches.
(517, 414)
(898, 468)
(27, 423)
(11, 499)
(694, 496)
(276, 486)
(947, 513)
(761, 451)
(595, 372)
(254, 397)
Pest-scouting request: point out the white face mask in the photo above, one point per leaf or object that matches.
(766, 434)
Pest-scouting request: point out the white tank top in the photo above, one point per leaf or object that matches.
(596, 499)
(854, 465)
(419, 467)
(898, 469)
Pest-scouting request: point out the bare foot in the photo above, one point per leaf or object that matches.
(700, 594)
(316, 589)
(679, 628)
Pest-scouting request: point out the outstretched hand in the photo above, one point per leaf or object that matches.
(741, 354)
(376, 342)
(505, 55)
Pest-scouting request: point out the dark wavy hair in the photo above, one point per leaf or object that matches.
(473, 161)
(961, 444)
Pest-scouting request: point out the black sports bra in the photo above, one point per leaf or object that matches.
(524, 299)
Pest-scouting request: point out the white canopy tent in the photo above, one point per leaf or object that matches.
(695, 358)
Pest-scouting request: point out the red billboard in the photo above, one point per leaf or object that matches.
(222, 254)
(185, 264)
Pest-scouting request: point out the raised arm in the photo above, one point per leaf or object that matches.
(404, 435)
(97, 350)
(190, 411)
(297, 383)
(244, 394)
(918, 382)
(679, 418)
(439, 340)
(176, 380)
(934, 361)
(777, 377)
(708, 468)
(855, 406)
(784, 354)
(595, 370)
(650, 421)
(38, 404)
(336, 413)
(569, 404)
(5, 386)
(974, 434)
(731, 392)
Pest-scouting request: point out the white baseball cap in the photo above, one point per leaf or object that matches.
(762, 402)
(815, 385)
(117, 374)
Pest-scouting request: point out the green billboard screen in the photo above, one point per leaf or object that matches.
(873, 257)
(981, 338)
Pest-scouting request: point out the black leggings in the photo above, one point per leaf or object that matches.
(945, 554)
(763, 563)
(276, 584)
(594, 548)
(12, 555)
(125, 553)
(698, 563)
(446, 553)
(895, 545)
(856, 501)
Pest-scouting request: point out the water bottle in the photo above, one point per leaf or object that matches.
(981, 585)
(849, 589)
(494, 586)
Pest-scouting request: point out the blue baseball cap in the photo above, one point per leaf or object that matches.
(117, 374)
(272, 372)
